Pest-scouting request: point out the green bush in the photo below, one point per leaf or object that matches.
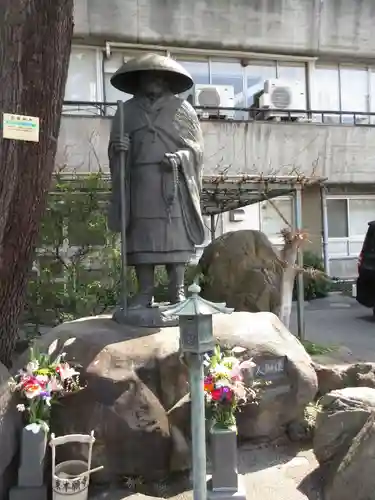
(77, 267)
(316, 283)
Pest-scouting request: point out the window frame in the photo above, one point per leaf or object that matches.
(99, 95)
(185, 56)
(349, 239)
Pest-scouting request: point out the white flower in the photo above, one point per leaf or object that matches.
(12, 384)
(229, 360)
(69, 341)
(32, 366)
(35, 428)
(221, 370)
(21, 407)
(238, 350)
(52, 348)
(223, 382)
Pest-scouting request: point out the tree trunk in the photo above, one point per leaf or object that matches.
(288, 257)
(35, 40)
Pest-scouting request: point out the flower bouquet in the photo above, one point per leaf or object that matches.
(46, 378)
(224, 387)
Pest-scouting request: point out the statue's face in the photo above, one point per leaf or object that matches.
(152, 84)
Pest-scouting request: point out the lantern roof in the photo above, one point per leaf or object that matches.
(195, 305)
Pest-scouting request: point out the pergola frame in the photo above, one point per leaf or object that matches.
(223, 193)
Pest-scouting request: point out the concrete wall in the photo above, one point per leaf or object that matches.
(312, 219)
(343, 154)
(313, 27)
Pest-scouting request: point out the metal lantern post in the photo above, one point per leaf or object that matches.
(196, 339)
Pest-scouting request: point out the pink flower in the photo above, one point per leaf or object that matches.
(55, 385)
(235, 373)
(65, 371)
(216, 394)
(32, 390)
(42, 380)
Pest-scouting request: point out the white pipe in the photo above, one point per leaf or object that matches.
(205, 52)
(323, 205)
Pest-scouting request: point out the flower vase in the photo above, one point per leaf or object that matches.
(32, 459)
(224, 480)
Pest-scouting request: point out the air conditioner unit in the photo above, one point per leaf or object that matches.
(279, 95)
(217, 96)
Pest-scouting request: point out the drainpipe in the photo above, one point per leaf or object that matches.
(300, 285)
(323, 202)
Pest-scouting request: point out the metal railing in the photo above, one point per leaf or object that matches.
(357, 118)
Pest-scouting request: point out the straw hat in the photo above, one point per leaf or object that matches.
(126, 77)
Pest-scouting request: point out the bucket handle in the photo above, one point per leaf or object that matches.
(71, 438)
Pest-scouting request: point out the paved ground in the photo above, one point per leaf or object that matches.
(268, 473)
(340, 321)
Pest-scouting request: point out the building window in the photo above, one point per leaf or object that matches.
(229, 73)
(326, 93)
(341, 88)
(337, 218)
(199, 71)
(256, 74)
(293, 73)
(354, 90)
(361, 212)
(246, 78)
(348, 219)
(82, 83)
(112, 95)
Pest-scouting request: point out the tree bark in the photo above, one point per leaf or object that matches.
(35, 41)
(288, 258)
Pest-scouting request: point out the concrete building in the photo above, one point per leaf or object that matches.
(327, 46)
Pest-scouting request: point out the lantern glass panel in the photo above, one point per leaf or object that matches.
(196, 334)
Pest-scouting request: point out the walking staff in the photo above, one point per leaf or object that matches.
(123, 161)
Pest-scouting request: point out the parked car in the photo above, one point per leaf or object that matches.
(366, 270)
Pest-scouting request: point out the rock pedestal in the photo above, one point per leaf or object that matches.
(137, 384)
(344, 443)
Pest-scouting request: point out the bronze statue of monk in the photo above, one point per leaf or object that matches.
(164, 150)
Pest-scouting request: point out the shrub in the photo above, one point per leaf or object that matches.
(317, 284)
(77, 268)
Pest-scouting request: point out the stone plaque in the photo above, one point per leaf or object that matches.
(273, 371)
(271, 368)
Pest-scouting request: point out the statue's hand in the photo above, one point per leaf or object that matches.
(169, 161)
(123, 143)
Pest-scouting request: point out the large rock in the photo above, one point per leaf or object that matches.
(343, 414)
(333, 377)
(242, 269)
(354, 477)
(135, 376)
(10, 425)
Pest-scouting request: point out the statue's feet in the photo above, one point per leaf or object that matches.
(177, 296)
(140, 301)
